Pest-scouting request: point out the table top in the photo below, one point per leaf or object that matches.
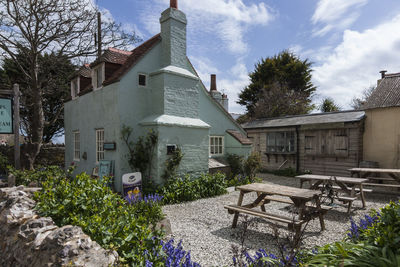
(281, 190)
(375, 170)
(349, 180)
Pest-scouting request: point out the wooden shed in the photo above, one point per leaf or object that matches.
(323, 143)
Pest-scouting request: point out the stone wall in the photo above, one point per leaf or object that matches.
(30, 240)
(49, 155)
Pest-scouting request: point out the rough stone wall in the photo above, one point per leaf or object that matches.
(30, 240)
(49, 155)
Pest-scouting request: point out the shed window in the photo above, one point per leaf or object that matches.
(333, 143)
(142, 79)
(99, 145)
(216, 145)
(281, 142)
(77, 145)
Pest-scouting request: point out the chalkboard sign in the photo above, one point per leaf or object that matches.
(105, 168)
(6, 116)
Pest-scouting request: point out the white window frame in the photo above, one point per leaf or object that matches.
(95, 70)
(77, 145)
(75, 91)
(213, 145)
(146, 79)
(99, 145)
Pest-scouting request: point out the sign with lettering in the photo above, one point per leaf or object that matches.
(6, 122)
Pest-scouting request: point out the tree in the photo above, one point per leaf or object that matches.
(54, 80)
(328, 105)
(358, 102)
(61, 27)
(283, 71)
(280, 100)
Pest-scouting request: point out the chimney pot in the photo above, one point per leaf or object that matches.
(383, 72)
(213, 86)
(173, 3)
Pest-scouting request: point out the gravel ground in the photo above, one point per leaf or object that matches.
(205, 226)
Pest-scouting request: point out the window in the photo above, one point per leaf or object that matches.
(216, 145)
(77, 146)
(281, 142)
(99, 145)
(142, 79)
(75, 88)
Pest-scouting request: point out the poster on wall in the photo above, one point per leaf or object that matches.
(6, 116)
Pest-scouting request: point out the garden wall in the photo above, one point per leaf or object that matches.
(49, 155)
(30, 240)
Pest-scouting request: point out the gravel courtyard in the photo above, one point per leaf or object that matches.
(205, 226)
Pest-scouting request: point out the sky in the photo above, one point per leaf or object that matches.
(348, 41)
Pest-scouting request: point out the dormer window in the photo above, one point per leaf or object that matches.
(142, 79)
(75, 88)
(98, 76)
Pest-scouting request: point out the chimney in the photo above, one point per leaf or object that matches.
(213, 89)
(173, 34)
(173, 4)
(225, 102)
(213, 83)
(383, 73)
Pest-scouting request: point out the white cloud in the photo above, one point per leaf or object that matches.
(355, 63)
(335, 14)
(227, 19)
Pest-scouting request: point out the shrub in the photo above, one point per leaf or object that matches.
(38, 176)
(251, 165)
(187, 188)
(103, 215)
(236, 164)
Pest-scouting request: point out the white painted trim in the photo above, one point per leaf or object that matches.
(94, 76)
(78, 85)
(209, 146)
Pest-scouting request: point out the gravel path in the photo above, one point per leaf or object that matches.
(205, 226)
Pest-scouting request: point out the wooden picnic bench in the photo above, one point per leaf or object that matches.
(375, 181)
(352, 187)
(268, 192)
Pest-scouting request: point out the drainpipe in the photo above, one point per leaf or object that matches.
(297, 149)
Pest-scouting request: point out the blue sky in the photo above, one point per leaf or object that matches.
(348, 41)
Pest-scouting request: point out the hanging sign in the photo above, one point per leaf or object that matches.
(6, 122)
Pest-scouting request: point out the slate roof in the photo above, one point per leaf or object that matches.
(317, 118)
(133, 58)
(386, 94)
(112, 55)
(240, 137)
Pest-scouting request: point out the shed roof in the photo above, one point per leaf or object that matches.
(317, 118)
(386, 94)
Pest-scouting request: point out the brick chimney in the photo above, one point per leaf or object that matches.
(173, 33)
(213, 83)
(173, 4)
(213, 89)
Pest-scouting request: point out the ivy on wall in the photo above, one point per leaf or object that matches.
(141, 152)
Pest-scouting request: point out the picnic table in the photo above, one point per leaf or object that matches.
(366, 172)
(352, 187)
(268, 192)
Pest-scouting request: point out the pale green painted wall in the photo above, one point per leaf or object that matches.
(172, 91)
(233, 146)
